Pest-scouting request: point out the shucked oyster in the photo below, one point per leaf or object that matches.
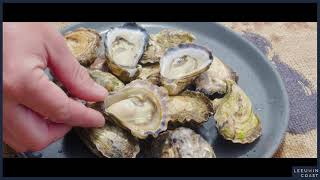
(107, 80)
(140, 107)
(182, 64)
(181, 143)
(213, 80)
(150, 73)
(125, 46)
(235, 119)
(83, 44)
(188, 107)
(160, 42)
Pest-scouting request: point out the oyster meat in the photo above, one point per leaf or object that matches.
(140, 107)
(163, 40)
(181, 143)
(182, 64)
(125, 46)
(235, 119)
(83, 43)
(107, 80)
(213, 80)
(188, 107)
(151, 73)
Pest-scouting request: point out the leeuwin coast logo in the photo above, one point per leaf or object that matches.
(305, 172)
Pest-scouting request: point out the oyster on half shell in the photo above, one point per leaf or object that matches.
(160, 42)
(235, 118)
(181, 143)
(182, 64)
(140, 107)
(213, 80)
(107, 80)
(83, 43)
(124, 47)
(189, 107)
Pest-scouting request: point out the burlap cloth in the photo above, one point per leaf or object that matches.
(292, 48)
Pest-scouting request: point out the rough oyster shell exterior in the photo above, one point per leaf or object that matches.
(235, 118)
(107, 80)
(181, 143)
(189, 107)
(213, 80)
(160, 42)
(83, 44)
(151, 73)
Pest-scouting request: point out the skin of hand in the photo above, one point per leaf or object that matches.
(36, 111)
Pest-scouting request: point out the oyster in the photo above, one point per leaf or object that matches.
(235, 119)
(188, 107)
(181, 143)
(163, 40)
(140, 107)
(150, 73)
(83, 43)
(213, 80)
(107, 80)
(99, 64)
(182, 64)
(109, 141)
(125, 46)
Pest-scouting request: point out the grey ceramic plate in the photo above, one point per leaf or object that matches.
(258, 78)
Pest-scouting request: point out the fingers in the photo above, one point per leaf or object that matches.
(44, 97)
(68, 70)
(31, 132)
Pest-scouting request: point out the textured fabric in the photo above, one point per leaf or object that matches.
(292, 48)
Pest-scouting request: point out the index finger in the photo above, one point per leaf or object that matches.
(43, 96)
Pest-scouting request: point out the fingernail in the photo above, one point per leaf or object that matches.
(101, 90)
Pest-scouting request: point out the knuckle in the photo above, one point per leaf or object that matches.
(80, 74)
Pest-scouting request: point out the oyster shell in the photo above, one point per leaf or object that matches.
(150, 73)
(181, 143)
(182, 64)
(163, 40)
(83, 43)
(213, 80)
(140, 107)
(98, 64)
(107, 80)
(188, 107)
(235, 119)
(125, 46)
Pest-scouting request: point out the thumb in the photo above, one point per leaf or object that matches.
(69, 71)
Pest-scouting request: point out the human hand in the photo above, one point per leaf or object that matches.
(36, 111)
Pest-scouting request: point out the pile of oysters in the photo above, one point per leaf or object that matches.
(162, 88)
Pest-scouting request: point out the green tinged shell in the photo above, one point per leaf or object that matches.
(107, 80)
(235, 118)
